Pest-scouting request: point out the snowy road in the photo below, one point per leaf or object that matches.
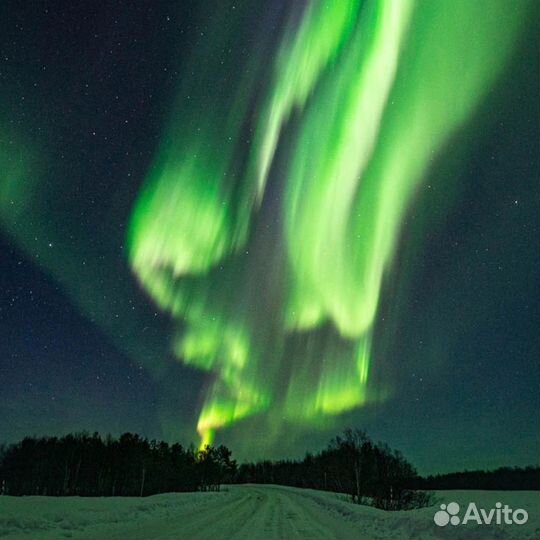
(251, 512)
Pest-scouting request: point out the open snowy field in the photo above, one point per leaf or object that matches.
(252, 512)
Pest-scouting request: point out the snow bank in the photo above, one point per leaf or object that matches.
(43, 518)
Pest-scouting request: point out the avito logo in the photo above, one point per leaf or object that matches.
(500, 515)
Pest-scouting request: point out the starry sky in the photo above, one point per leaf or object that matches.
(259, 225)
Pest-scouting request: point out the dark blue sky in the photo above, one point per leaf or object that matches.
(82, 348)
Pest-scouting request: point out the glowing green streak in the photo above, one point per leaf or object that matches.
(338, 386)
(334, 277)
(305, 53)
(181, 206)
(378, 88)
(195, 185)
(351, 184)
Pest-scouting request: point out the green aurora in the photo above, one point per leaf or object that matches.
(312, 166)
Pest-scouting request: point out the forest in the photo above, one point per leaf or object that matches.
(89, 465)
(352, 463)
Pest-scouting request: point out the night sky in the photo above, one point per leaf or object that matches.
(259, 224)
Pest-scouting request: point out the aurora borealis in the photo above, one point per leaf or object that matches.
(290, 203)
(357, 79)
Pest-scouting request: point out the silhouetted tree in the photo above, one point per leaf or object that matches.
(352, 463)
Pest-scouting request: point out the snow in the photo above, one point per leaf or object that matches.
(252, 512)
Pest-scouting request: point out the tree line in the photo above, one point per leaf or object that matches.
(504, 478)
(352, 463)
(88, 465)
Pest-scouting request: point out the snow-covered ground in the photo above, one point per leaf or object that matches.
(252, 512)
